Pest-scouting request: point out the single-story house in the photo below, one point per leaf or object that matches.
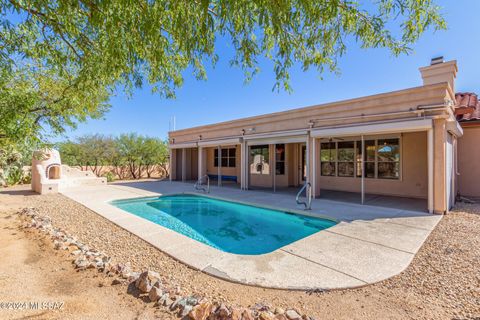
(414, 143)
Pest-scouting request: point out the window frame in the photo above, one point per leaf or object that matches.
(228, 157)
(357, 163)
(266, 159)
(284, 161)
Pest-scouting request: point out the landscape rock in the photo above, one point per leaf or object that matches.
(265, 315)
(155, 294)
(293, 315)
(202, 311)
(222, 311)
(165, 300)
(279, 310)
(146, 280)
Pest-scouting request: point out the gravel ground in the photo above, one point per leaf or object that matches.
(443, 281)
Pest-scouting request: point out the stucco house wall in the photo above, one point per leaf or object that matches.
(468, 162)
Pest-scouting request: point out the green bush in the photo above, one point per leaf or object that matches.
(110, 176)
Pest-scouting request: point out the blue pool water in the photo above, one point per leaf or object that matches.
(227, 226)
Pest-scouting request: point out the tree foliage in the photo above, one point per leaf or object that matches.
(129, 42)
(127, 155)
(60, 60)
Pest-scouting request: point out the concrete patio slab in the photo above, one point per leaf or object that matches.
(366, 261)
(392, 235)
(368, 245)
(280, 269)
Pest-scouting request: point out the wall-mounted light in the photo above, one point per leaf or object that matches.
(243, 132)
(200, 137)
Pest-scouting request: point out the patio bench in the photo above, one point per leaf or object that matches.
(224, 178)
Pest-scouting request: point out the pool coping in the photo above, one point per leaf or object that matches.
(333, 258)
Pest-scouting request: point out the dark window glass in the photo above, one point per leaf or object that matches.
(370, 170)
(228, 157)
(328, 151)
(346, 151)
(224, 162)
(280, 168)
(345, 169)
(280, 159)
(388, 170)
(328, 168)
(370, 150)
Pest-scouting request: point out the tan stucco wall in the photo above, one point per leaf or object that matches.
(414, 174)
(469, 162)
(398, 101)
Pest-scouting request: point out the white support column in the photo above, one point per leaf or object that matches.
(363, 169)
(170, 165)
(247, 166)
(200, 163)
(430, 150)
(307, 156)
(184, 165)
(219, 166)
(242, 165)
(274, 167)
(314, 165)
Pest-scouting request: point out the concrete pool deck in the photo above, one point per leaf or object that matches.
(369, 244)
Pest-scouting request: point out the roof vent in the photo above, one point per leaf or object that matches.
(436, 60)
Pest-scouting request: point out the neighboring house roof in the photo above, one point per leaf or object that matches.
(467, 107)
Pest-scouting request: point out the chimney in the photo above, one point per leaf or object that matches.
(439, 71)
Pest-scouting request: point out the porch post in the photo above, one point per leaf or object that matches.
(274, 167)
(200, 163)
(184, 164)
(219, 166)
(314, 165)
(430, 169)
(246, 164)
(363, 169)
(171, 161)
(307, 156)
(242, 165)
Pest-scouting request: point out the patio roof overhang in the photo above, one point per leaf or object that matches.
(291, 136)
(374, 128)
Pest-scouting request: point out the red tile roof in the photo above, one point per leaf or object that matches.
(467, 106)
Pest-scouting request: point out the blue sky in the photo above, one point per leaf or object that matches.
(224, 96)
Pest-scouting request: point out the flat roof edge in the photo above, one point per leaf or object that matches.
(444, 85)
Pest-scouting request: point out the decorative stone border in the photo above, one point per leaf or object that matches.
(150, 282)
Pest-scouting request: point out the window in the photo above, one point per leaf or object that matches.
(259, 160)
(388, 151)
(369, 158)
(228, 157)
(280, 159)
(328, 157)
(344, 158)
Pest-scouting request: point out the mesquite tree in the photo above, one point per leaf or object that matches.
(62, 59)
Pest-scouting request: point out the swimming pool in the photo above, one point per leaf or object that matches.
(227, 226)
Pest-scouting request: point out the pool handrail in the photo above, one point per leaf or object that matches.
(308, 194)
(198, 184)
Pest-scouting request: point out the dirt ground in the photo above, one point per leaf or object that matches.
(443, 281)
